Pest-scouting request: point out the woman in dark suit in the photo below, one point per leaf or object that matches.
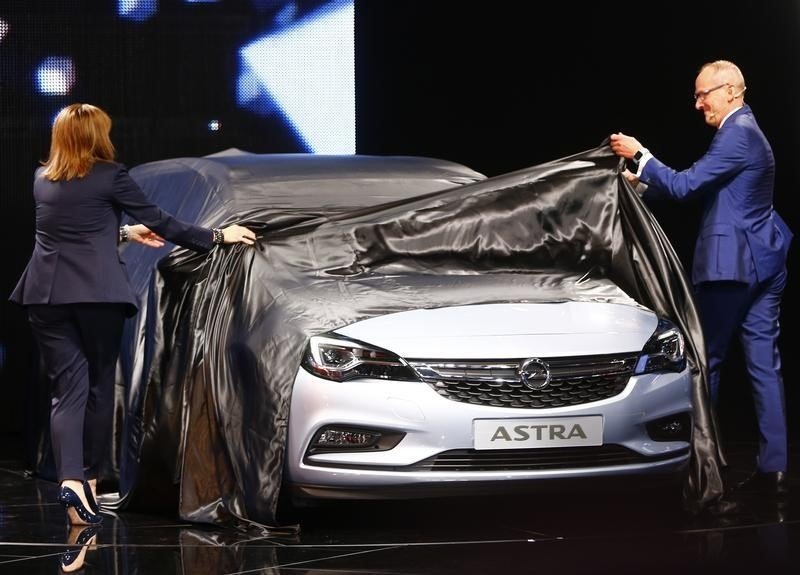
(76, 290)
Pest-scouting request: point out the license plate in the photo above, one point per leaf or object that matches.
(539, 432)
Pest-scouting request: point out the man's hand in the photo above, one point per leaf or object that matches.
(639, 187)
(631, 177)
(624, 146)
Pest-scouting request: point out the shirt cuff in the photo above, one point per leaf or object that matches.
(645, 157)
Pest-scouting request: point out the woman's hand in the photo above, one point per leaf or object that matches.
(141, 234)
(236, 234)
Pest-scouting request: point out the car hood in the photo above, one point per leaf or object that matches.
(509, 330)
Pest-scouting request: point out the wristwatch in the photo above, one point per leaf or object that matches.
(638, 155)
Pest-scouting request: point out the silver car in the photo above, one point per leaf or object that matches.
(404, 327)
(583, 382)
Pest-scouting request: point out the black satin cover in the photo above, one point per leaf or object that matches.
(209, 362)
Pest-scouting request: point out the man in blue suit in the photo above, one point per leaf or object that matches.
(739, 262)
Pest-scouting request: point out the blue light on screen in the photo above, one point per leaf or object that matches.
(306, 72)
(55, 76)
(297, 70)
(137, 10)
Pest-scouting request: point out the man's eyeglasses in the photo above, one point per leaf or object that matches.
(701, 95)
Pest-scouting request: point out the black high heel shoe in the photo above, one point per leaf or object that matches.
(68, 498)
(73, 558)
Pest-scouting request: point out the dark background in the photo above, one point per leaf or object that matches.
(498, 86)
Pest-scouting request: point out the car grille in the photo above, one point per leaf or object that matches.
(537, 459)
(574, 380)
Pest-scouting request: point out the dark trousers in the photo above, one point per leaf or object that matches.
(79, 345)
(751, 311)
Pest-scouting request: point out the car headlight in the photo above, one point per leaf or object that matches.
(664, 351)
(340, 359)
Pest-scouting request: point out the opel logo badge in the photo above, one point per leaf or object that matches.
(534, 373)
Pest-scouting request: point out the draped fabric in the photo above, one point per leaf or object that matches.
(663, 286)
(208, 364)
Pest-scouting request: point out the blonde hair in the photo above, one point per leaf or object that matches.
(80, 137)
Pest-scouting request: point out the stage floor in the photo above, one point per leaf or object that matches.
(564, 533)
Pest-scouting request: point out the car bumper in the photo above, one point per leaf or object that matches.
(435, 429)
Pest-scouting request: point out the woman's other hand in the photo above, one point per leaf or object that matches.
(141, 234)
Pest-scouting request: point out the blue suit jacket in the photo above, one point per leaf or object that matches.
(75, 257)
(741, 237)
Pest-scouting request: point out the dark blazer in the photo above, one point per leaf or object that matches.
(741, 237)
(75, 257)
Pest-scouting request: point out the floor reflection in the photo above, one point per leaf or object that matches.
(569, 532)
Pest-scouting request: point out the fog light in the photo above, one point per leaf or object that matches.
(676, 427)
(340, 438)
(345, 438)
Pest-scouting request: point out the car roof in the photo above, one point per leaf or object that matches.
(236, 184)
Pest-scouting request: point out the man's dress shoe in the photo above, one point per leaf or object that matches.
(774, 483)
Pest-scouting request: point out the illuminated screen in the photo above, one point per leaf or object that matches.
(179, 78)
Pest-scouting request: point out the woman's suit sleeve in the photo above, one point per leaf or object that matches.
(132, 200)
